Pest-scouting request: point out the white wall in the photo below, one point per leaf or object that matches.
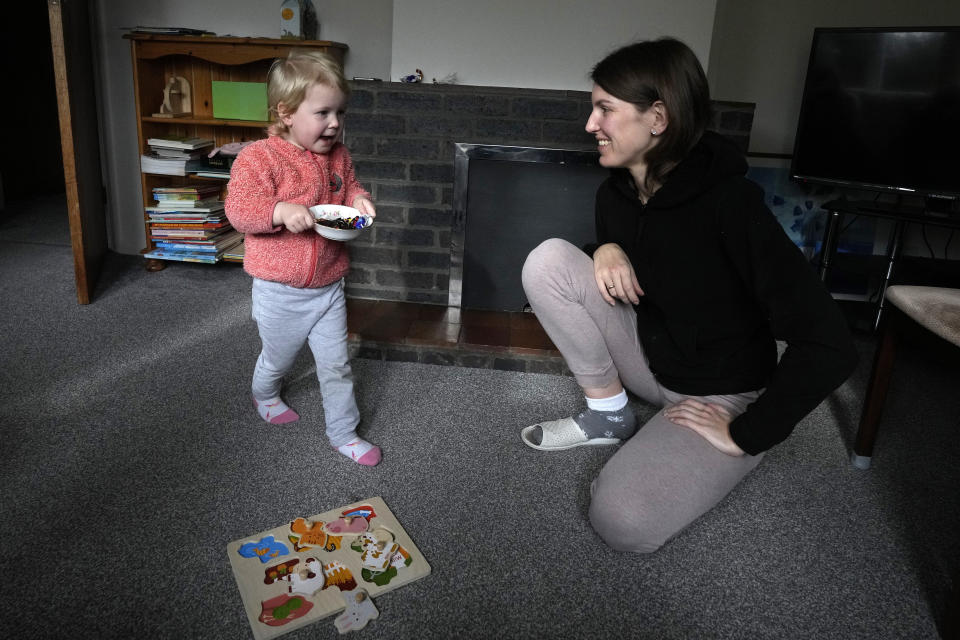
(543, 44)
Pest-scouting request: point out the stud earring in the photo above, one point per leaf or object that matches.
(653, 132)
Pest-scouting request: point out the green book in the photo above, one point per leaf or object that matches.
(240, 100)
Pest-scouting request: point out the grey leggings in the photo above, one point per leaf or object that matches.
(287, 317)
(665, 476)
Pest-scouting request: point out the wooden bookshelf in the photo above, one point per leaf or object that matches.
(201, 60)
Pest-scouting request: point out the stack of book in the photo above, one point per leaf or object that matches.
(188, 224)
(213, 172)
(234, 254)
(175, 155)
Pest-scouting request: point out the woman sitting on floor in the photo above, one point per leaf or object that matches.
(682, 301)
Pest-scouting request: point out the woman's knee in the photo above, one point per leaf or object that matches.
(624, 526)
(544, 260)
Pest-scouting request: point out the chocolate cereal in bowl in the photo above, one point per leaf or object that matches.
(337, 222)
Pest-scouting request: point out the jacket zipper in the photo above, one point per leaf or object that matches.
(313, 260)
(314, 248)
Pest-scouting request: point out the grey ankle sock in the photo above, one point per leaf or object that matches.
(607, 424)
(600, 424)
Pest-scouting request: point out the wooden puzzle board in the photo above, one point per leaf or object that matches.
(293, 575)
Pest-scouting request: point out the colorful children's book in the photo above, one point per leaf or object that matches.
(183, 216)
(214, 174)
(183, 154)
(197, 188)
(220, 243)
(180, 142)
(234, 253)
(183, 196)
(207, 203)
(190, 209)
(169, 166)
(188, 224)
(181, 256)
(205, 234)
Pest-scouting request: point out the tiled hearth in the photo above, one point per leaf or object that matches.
(434, 334)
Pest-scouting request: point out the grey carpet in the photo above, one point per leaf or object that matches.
(131, 456)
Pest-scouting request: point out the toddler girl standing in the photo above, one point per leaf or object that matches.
(297, 274)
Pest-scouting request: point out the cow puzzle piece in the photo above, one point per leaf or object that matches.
(378, 549)
(380, 556)
(309, 579)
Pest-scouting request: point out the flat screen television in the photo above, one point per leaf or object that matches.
(881, 111)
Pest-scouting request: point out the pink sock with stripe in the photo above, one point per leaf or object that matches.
(361, 452)
(275, 411)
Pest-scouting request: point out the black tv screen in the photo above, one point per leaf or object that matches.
(881, 111)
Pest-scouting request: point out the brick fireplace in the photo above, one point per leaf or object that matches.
(403, 138)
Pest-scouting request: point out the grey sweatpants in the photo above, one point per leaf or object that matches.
(665, 476)
(287, 317)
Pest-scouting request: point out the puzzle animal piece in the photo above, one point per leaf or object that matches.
(360, 610)
(351, 521)
(364, 511)
(308, 580)
(378, 549)
(312, 534)
(282, 609)
(347, 525)
(337, 575)
(266, 549)
(380, 556)
(280, 571)
(400, 559)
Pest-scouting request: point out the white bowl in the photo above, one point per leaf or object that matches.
(332, 212)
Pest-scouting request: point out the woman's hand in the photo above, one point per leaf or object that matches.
(365, 206)
(294, 217)
(712, 421)
(615, 276)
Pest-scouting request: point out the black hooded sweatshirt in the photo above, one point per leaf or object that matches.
(722, 283)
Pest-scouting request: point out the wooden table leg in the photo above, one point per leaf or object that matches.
(876, 394)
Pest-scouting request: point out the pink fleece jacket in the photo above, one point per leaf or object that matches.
(274, 170)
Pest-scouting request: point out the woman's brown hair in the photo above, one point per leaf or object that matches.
(666, 70)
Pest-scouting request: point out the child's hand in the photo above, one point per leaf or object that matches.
(365, 206)
(294, 217)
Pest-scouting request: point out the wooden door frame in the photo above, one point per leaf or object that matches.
(70, 41)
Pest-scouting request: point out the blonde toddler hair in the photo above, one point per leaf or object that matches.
(289, 78)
